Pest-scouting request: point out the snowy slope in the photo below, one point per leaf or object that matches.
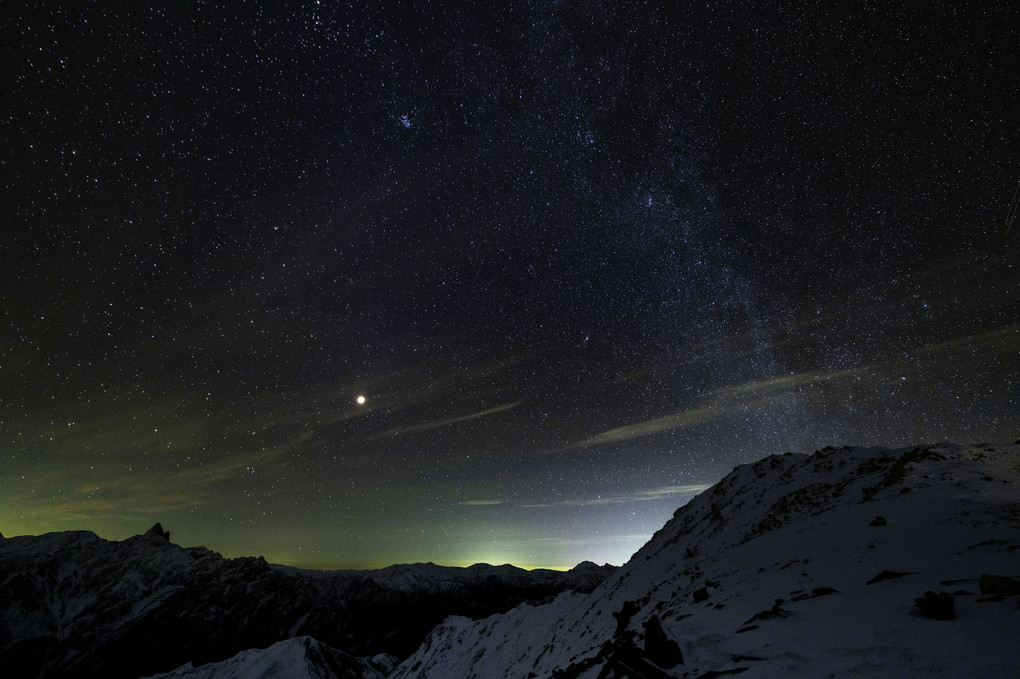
(298, 658)
(794, 566)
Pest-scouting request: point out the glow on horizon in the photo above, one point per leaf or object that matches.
(549, 555)
(554, 535)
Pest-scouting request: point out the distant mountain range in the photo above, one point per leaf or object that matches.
(870, 562)
(75, 605)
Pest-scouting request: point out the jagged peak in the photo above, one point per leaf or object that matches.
(157, 530)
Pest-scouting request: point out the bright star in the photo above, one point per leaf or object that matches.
(361, 400)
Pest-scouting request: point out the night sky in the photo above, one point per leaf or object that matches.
(576, 259)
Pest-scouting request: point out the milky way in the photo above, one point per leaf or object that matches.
(349, 285)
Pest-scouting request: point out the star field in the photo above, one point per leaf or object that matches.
(368, 283)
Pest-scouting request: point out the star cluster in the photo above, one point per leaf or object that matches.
(349, 284)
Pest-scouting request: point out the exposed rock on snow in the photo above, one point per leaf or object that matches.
(792, 560)
(998, 584)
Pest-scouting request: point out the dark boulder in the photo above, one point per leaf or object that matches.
(936, 606)
(659, 648)
(998, 584)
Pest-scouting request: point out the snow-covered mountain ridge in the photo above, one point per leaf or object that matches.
(74, 604)
(791, 566)
(851, 561)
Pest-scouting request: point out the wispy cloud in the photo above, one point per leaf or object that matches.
(110, 485)
(669, 491)
(751, 395)
(684, 418)
(442, 422)
(718, 404)
(560, 541)
(1008, 334)
(649, 495)
(768, 385)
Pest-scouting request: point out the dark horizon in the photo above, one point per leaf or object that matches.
(344, 284)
